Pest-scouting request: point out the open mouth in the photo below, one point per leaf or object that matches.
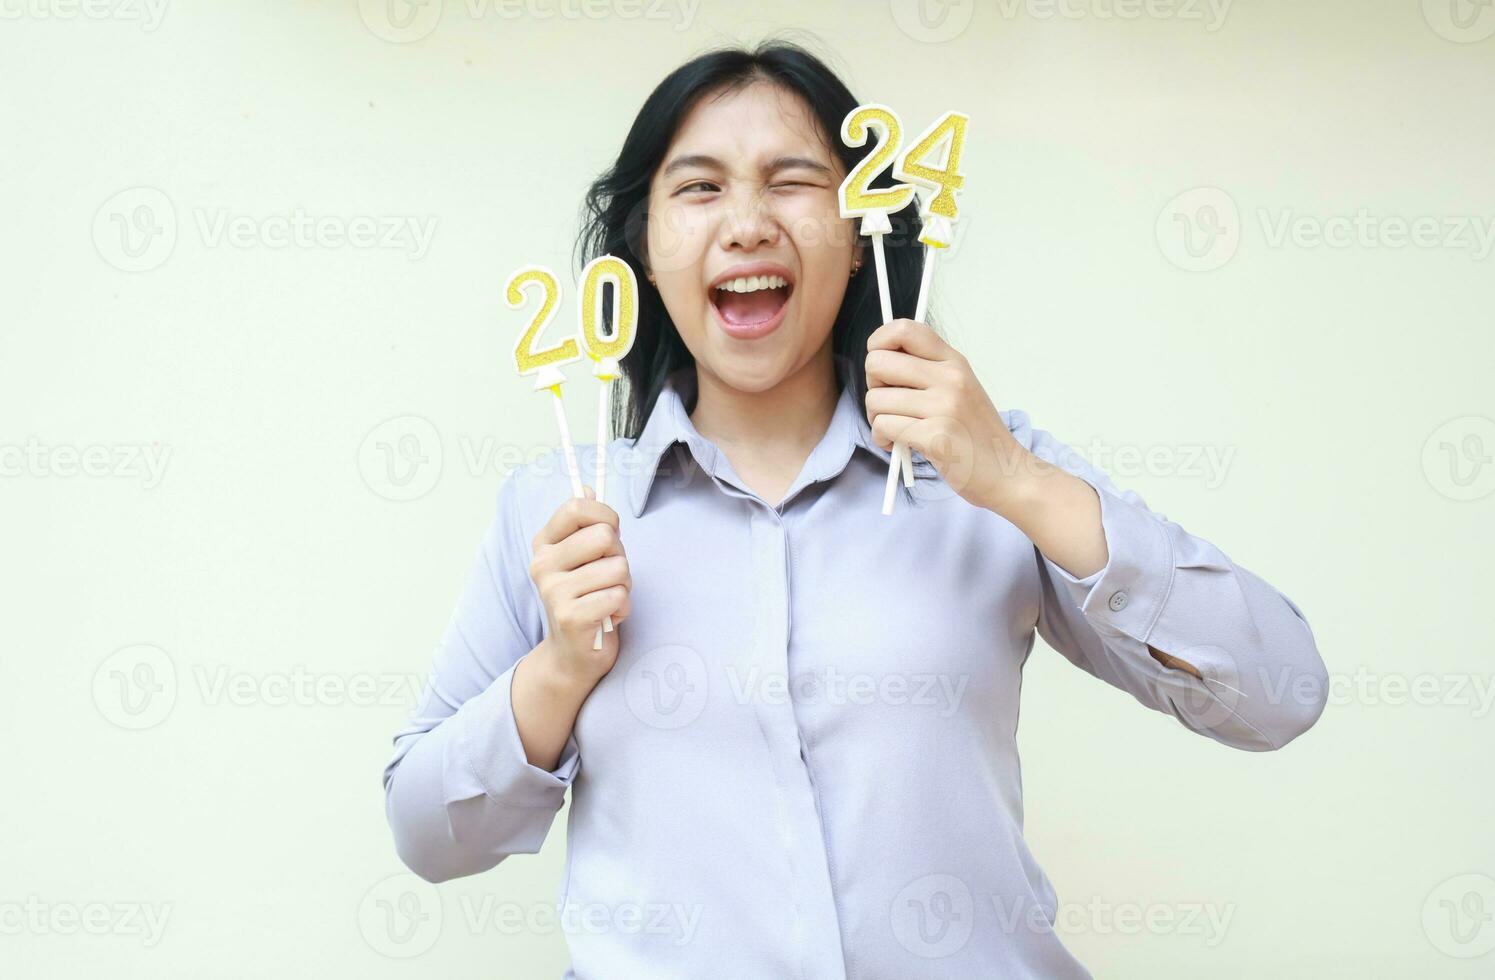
(751, 306)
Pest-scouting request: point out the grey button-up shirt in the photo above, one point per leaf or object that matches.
(804, 763)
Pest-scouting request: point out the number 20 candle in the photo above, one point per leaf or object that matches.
(545, 364)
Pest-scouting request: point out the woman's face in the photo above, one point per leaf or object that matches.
(745, 239)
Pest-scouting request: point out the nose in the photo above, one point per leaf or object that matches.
(748, 223)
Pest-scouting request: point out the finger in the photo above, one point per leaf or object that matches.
(585, 545)
(621, 613)
(918, 339)
(886, 366)
(888, 428)
(911, 402)
(594, 607)
(603, 573)
(608, 603)
(571, 516)
(586, 489)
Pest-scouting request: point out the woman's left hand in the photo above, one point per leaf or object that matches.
(922, 391)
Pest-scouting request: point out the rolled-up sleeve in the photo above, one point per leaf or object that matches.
(1264, 682)
(460, 794)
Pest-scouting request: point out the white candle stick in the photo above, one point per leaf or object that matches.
(874, 205)
(606, 351)
(903, 457)
(574, 472)
(603, 403)
(874, 226)
(566, 447)
(884, 294)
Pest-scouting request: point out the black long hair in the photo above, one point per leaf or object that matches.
(615, 215)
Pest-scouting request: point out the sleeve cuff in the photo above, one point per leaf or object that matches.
(1125, 597)
(486, 757)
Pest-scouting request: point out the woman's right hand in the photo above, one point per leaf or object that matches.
(582, 575)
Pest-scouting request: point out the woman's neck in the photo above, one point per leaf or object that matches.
(768, 435)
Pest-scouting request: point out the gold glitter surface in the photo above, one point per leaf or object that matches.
(944, 179)
(526, 358)
(856, 197)
(608, 268)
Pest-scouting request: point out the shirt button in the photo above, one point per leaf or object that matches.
(1118, 600)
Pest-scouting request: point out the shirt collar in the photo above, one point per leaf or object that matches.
(669, 423)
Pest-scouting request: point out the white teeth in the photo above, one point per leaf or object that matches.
(751, 284)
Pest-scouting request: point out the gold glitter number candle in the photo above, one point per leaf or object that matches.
(943, 178)
(607, 271)
(545, 364)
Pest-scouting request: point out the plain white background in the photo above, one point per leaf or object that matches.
(256, 401)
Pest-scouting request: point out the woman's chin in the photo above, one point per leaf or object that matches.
(759, 366)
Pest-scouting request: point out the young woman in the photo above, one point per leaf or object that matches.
(796, 754)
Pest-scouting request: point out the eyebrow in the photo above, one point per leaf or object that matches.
(775, 165)
(692, 160)
(797, 163)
